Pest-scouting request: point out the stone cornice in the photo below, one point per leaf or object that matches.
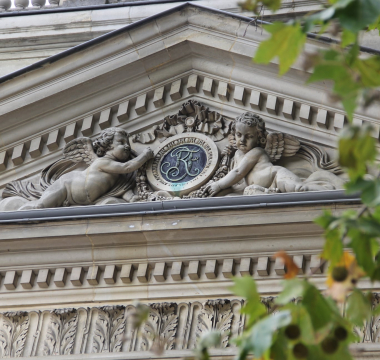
(150, 256)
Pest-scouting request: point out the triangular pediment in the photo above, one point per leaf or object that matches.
(136, 76)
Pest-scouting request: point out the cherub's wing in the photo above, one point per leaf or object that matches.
(80, 149)
(279, 145)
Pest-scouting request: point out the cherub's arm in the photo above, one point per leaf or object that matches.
(234, 176)
(115, 167)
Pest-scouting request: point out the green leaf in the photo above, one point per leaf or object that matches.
(246, 287)
(353, 54)
(259, 339)
(371, 194)
(344, 85)
(357, 185)
(317, 307)
(375, 25)
(356, 148)
(279, 349)
(333, 247)
(292, 289)
(210, 339)
(368, 226)
(358, 14)
(325, 220)
(301, 317)
(358, 307)
(362, 246)
(286, 43)
(369, 70)
(348, 38)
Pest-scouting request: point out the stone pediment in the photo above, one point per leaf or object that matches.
(134, 77)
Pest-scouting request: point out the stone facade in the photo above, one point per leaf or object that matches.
(156, 102)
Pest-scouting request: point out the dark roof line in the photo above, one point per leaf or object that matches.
(87, 44)
(179, 206)
(113, 33)
(86, 8)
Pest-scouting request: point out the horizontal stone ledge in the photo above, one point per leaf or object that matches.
(176, 206)
(229, 353)
(359, 351)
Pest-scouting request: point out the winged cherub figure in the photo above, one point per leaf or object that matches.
(107, 160)
(252, 164)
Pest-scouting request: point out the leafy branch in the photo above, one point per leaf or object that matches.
(354, 77)
(306, 323)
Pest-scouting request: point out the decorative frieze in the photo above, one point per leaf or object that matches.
(117, 328)
(113, 328)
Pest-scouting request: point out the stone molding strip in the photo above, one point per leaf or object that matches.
(257, 100)
(112, 329)
(159, 272)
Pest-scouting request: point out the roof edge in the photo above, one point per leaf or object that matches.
(180, 206)
(99, 39)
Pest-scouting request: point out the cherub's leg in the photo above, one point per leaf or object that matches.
(286, 181)
(54, 196)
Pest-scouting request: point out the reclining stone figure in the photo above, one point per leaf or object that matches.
(252, 165)
(108, 158)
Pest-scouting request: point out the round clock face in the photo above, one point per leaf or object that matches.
(183, 163)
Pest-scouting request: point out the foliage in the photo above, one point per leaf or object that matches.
(354, 77)
(305, 323)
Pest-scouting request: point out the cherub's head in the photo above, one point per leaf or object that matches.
(249, 132)
(113, 141)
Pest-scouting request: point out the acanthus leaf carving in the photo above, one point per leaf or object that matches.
(216, 315)
(109, 329)
(161, 326)
(13, 330)
(61, 332)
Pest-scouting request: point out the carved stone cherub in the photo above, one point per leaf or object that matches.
(107, 158)
(252, 167)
